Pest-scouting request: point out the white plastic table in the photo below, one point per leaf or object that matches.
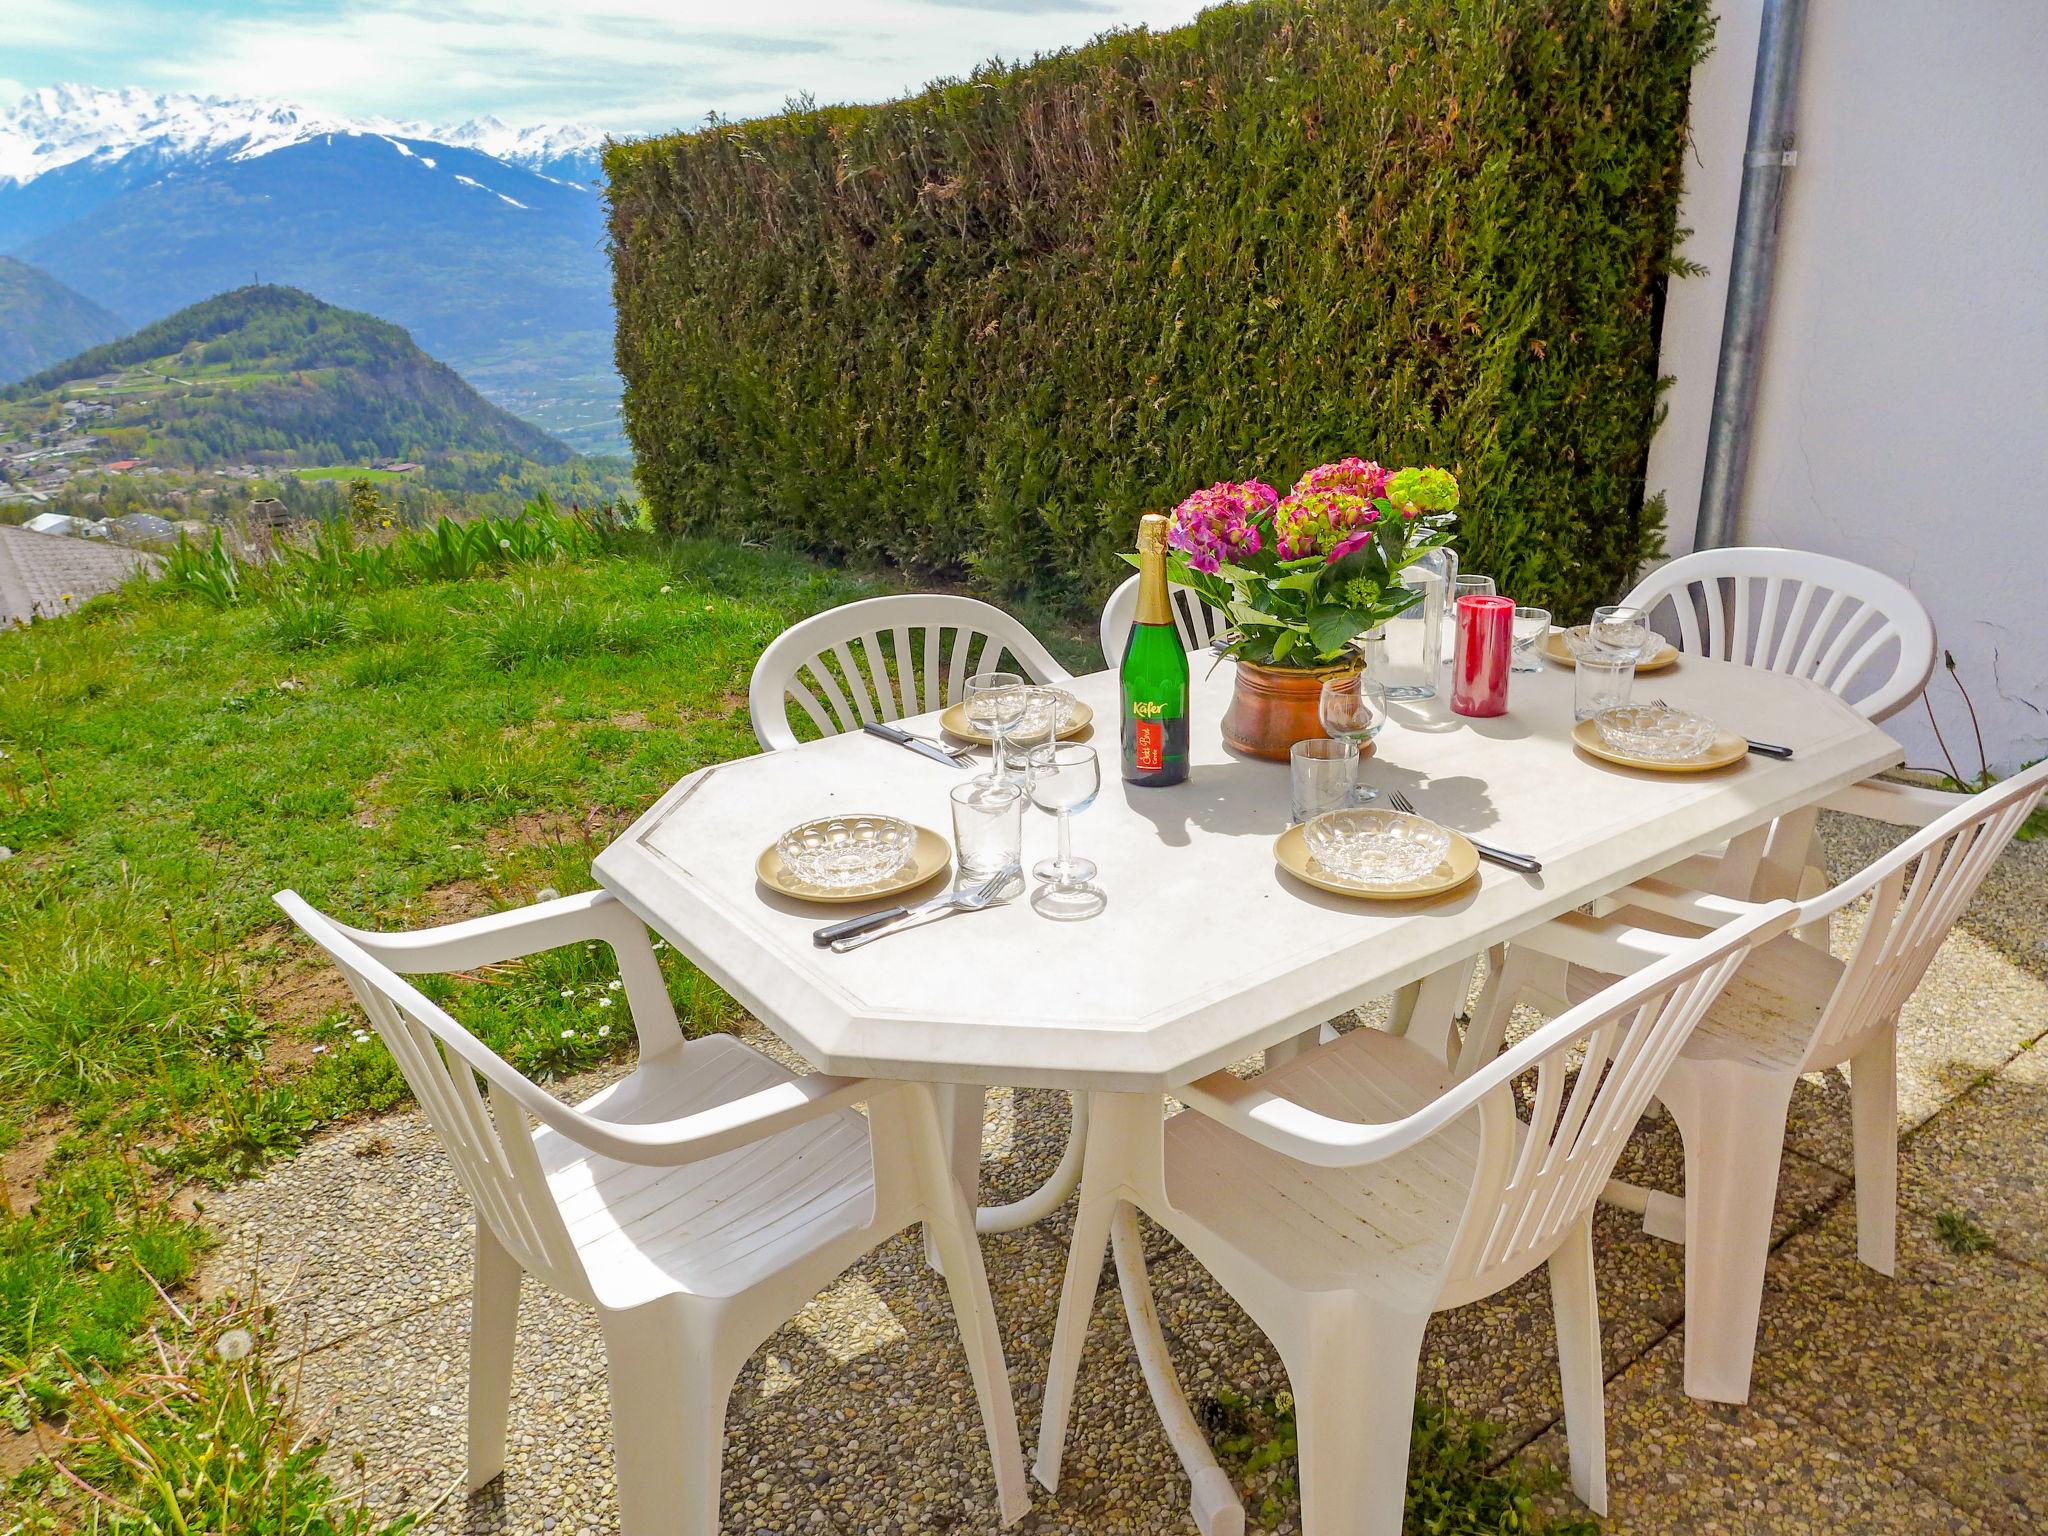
(1207, 951)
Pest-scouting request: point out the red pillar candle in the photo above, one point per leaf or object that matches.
(1479, 685)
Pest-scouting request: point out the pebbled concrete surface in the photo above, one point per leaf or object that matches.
(1910, 1404)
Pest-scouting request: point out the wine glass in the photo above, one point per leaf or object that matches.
(995, 703)
(1065, 778)
(1620, 630)
(1354, 709)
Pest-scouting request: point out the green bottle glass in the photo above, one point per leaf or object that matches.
(1154, 674)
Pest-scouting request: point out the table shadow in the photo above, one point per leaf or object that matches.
(1246, 797)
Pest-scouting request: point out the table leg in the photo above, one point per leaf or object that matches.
(960, 1113)
(1427, 1011)
(1211, 1499)
(1059, 1185)
(1297, 1045)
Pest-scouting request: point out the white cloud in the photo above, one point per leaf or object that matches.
(626, 65)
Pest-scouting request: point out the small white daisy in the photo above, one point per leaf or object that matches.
(604, 1002)
(604, 1031)
(613, 986)
(568, 991)
(568, 1034)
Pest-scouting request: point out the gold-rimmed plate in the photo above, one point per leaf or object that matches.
(955, 723)
(930, 857)
(1727, 748)
(1291, 853)
(1558, 649)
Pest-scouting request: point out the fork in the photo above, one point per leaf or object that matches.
(1519, 861)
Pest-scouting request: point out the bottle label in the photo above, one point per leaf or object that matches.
(1151, 745)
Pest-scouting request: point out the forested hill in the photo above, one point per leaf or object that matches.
(270, 375)
(41, 320)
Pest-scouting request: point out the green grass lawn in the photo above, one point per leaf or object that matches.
(400, 756)
(403, 749)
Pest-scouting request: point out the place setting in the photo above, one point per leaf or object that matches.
(1606, 656)
(852, 858)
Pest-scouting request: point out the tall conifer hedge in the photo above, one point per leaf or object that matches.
(984, 329)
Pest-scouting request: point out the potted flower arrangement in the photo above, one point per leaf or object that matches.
(1303, 578)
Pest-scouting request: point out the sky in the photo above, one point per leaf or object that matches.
(625, 66)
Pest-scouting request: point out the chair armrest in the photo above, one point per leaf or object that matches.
(501, 936)
(1307, 1136)
(1600, 943)
(1903, 805)
(708, 1132)
(523, 931)
(1669, 899)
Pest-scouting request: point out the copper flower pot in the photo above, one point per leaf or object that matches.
(1274, 707)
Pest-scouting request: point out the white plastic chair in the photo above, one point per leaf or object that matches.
(1793, 1009)
(1199, 623)
(1345, 1196)
(936, 641)
(814, 663)
(1814, 616)
(1793, 611)
(697, 1204)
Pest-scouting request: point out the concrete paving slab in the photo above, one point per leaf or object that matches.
(1941, 1371)
(1986, 1156)
(1677, 1467)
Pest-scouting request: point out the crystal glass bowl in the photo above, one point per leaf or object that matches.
(1578, 639)
(1042, 706)
(838, 853)
(1376, 847)
(1656, 731)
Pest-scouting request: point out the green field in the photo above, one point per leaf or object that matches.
(347, 472)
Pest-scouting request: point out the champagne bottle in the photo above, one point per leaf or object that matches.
(1154, 674)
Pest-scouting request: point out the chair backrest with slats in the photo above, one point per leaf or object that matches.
(1855, 631)
(1197, 621)
(1595, 1069)
(884, 658)
(483, 1128)
(1918, 893)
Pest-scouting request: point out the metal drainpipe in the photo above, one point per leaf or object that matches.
(1769, 156)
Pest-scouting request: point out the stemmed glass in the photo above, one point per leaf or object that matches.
(1354, 709)
(995, 702)
(1620, 630)
(1065, 778)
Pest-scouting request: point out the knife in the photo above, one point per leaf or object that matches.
(969, 899)
(1519, 861)
(825, 936)
(905, 739)
(1765, 749)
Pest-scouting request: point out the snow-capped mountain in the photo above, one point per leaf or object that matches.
(61, 125)
(486, 241)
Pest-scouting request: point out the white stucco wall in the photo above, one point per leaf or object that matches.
(1903, 416)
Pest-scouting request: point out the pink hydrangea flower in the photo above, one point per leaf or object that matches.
(1219, 524)
(1354, 476)
(1328, 522)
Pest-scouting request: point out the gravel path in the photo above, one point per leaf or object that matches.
(1916, 1404)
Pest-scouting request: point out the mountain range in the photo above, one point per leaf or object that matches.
(482, 240)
